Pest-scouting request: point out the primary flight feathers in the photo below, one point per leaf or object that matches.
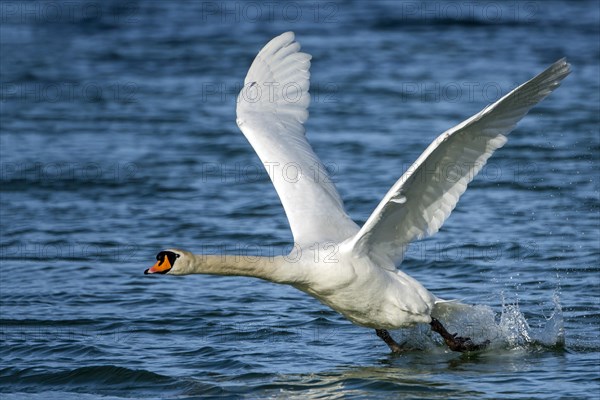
(272, 108)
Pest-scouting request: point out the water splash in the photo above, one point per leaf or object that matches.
(517, 332)
(513, 327)
(553, 332)
(507, 329)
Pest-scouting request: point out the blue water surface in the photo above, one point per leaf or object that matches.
(118, 139)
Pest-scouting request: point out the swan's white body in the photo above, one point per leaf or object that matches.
(354, 271)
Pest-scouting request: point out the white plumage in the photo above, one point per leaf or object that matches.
(271, 109)
(431, 187)
(359, 278)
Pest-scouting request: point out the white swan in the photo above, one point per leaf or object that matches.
(355, 271)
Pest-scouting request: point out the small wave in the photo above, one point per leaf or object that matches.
(101, 375)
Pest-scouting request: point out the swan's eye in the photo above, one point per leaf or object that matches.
(167, 256)
(161, 256)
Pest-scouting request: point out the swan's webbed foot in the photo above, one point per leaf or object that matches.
(387, 338)
(456, 343)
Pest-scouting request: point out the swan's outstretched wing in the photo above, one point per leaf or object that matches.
(421, 200)
(272, 106)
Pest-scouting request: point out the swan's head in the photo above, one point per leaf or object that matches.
(175, 262)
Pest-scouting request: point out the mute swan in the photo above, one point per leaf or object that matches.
(357, 277)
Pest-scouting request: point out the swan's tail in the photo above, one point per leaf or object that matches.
(446, 309)
(474, 321)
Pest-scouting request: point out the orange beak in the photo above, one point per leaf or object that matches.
(161, 267)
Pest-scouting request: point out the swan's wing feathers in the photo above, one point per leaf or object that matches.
(271, 108)
(421, 200)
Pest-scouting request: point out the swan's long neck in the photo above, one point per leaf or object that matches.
(275, 269)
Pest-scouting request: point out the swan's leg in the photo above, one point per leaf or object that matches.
(387, 338)
(456, 343)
